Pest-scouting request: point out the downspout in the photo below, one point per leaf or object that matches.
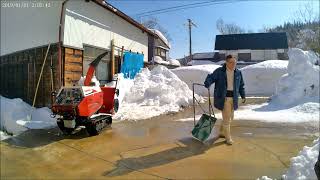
(60, 43)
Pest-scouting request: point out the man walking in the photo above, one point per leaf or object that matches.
(228, 85)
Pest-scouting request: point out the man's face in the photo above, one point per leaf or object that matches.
(231, 63)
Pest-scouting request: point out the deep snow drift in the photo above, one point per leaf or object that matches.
(196, 74)
(15, 116)
(154, 93)
(261, 78)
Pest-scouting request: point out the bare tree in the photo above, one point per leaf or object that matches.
(230, 28)
(307, 13)
(153, 23)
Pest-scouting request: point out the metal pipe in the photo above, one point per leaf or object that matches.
(60, 43)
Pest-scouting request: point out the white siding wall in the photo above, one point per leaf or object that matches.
(257, 55)
(270, 54)
(88, 23)
(27, 27)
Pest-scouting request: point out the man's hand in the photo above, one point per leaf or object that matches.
(243, 100)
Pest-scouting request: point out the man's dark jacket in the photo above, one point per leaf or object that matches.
(219, 77)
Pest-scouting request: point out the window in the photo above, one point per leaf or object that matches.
(103, 70)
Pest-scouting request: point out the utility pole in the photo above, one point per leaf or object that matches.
(190, 24)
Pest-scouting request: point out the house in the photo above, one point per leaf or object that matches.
(77, 31)
(158, 46)
(253, 46)
(200, 58)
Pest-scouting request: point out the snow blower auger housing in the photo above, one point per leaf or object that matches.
(89, 106)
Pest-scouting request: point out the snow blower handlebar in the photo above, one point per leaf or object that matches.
(92, 68)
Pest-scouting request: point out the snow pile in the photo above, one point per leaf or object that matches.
(15, 116)
(302, 166)
(161, 36)
(301, 84)
(261, 78)
(174, 62)
(154, 93)
(196, 74)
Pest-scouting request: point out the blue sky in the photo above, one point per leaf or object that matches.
(250, 15)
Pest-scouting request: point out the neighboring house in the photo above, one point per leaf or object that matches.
(200, 58)
(78, 31)
(253, 46)
(158, 46)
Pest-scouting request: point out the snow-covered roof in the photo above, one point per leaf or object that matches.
(161, 36)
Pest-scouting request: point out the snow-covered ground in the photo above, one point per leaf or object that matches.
(18, 116)
(261, 78)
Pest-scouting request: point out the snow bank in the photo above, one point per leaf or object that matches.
(261, 78)
(174, 62)
(301, 84)
(302, 166)
(15, 116)
(196, 74)
(154, 93)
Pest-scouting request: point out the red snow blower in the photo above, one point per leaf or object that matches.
(88, 106)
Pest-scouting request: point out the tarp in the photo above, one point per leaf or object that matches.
(132, 64)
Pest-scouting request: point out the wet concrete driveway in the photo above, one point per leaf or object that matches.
(158, 148)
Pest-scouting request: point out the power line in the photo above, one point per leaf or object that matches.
(182, 7)
(173, 7)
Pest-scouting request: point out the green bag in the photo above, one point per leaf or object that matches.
(203, 128)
